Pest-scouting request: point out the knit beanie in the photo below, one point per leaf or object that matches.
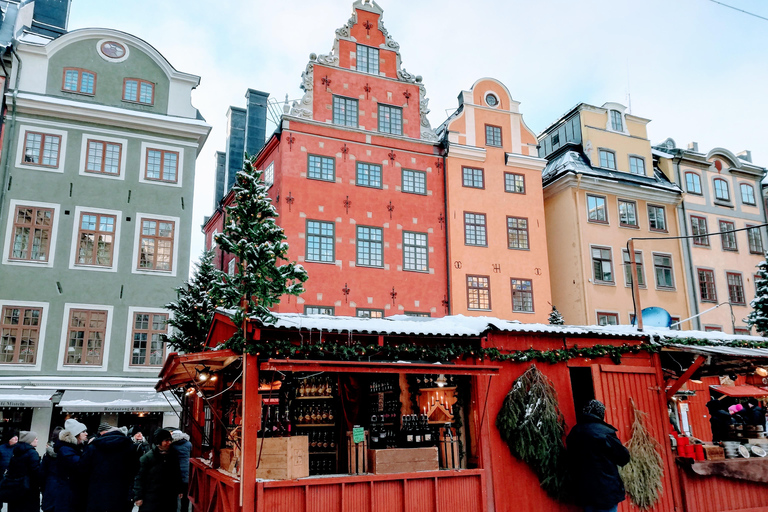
(104, 426)
(27, 436)
(161, 435)
(595, 408)
(74, 427)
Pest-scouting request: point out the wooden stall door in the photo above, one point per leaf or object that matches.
(614, 385)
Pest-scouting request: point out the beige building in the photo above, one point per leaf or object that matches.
(600, 190)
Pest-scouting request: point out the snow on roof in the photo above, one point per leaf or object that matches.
(657, 152)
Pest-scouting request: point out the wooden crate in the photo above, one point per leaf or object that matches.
(403, 460)
(283, 458)
(357, 455)
(714, 452)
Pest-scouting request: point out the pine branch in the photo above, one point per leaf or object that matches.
(643, 474)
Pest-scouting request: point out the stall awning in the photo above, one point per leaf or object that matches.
(115, 401)
(179, 369)
(740, 391)
(289, 365)
(25, 398)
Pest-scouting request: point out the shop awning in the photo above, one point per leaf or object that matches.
(290, 365)
(115, 401)
(179, 369)
(25, 398)
(740, 391)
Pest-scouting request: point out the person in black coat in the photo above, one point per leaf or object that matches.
(595, 454)
(719, 420)
(68, 450)
(25, 463)
(50, 473)
(108, 466)
(183, 448)
(753, 414)
(6, 450)
(158, 485)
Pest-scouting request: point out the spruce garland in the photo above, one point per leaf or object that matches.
(531, 423)
(643, 474)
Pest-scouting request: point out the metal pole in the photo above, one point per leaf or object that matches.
(635, 285)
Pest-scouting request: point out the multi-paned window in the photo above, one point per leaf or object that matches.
(369, 313)
(722, 192)
(607, 159)
(474, 229)
(699, 230)
(747, 194)
(31, 233)
(367, 59)
(370, 246)
(478, 292)
(596, 209)
(79, 80)
(707, 289)
(604, 318)
(86, 331)
(628, 268)
(713, 328)
(103, 157)
(415, 251)
(692, 183)
(232, 267)
(320, 241)
(390, 119)
(514, 183)
(602, 264)
(522, 295)
(616, 122)
(728, 237)
(269, 175)
(662, 266)
(627, 213)
(472, 178)
(743, 331)
(321, 168)
(492, 135)
(417, 314)
(368, 175)
(755, 239)
(156, 245)
(517, 233)
(637, 165)
(19, 334)
(345, 111)
(657, 218)
(318, 310)
(95, 239)
(414, 182)
(139, 91)
(162, 165)
(148, 347)
(41, 149)
(735, 288)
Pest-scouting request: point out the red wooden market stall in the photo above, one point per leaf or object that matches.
(275, 430)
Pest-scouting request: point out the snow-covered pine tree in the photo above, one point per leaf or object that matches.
(193, 308)
(758, 318)
(254, 238)
(555, 317)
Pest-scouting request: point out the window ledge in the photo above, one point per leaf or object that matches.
(724, 204)
(629, 226)
(321, 262)
(524, 312)
(603, 283)
(603, 222)
(665, 289)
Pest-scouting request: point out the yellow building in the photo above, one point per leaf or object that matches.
(600, 190)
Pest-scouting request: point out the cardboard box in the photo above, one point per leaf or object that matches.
(403, 460)
(712, 452)
(357, 455)
(283, 458)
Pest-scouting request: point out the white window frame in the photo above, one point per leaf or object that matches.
(213, 239)
(102, 138)
(79, 210)
(269, 175)
(41, 340)
(19, 160)
(143, 164)
(127, 367)
(13, 204)
(232, 267)
(137, 237)
(68, 307)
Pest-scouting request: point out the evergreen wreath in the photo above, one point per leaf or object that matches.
(643, 474)
(531, 423)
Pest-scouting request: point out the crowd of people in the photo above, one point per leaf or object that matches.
(111, 471)
(722, 416)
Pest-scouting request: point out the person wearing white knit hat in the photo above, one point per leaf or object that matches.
(68, 450)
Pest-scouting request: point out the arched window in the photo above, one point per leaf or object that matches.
(721, 190)
(692, 183)
(747, 194)
(616, 122)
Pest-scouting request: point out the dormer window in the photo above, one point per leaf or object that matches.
(367, 59)
(616, 122)
(607, 159)
(79, 80)
(721, 190)
(138, 91)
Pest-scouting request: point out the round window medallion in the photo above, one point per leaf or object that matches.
(113, 50)
(491, 100)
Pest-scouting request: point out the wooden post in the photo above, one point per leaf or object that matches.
(686, 376)
(251, 426)
(635, 286)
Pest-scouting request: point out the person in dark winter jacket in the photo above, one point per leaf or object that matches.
(595, 453)
(108, 466)
(183, 449)
(6, 451)
(752, 413)
(141, 445)
(719, 420)
(158, 485)
(50, 473)
(68, 450)
(25, 463)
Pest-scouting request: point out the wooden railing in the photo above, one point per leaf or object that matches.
(211, 490)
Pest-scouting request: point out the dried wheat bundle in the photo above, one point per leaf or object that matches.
(643, 475)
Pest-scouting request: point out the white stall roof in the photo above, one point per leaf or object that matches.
(115, 401)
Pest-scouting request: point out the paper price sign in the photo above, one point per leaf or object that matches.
(358, 434)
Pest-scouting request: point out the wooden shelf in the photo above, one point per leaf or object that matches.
(314, 425)
(438, 389)
(322, 453)
(440, 422)
(314, 397)
(385, 392)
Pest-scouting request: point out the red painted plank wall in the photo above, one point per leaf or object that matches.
(717, 494)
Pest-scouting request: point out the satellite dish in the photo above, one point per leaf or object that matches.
(655, 317)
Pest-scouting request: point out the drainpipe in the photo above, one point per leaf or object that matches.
(445, 213)
(584, 294)
(686, 245)
(11, 127)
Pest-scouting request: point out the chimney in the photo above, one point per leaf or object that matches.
(693, 146)
(256, 123)
(745, 155)
(235, 144)
(51, 17)
(221, 178)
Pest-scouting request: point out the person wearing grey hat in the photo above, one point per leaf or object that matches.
(25, 466)
(595, 454)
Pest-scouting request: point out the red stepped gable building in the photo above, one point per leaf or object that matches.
(356, 176)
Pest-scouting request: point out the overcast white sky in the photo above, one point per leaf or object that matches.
(697, 69)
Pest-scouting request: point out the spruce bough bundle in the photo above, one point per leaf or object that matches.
(531, 423)
(643, 475)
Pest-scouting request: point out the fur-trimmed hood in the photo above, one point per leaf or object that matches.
(67, 437)
(178, 435)
(49, 450)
